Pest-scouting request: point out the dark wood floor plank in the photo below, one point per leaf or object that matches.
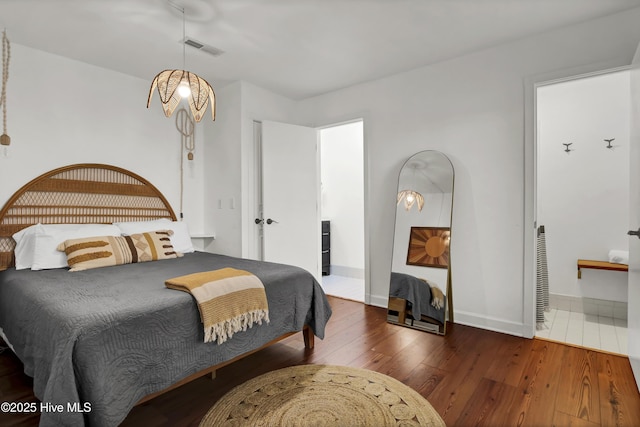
(402, 364)
(371, 360)
(537, 388)
(465, 369)
(470, 376)
(487, 404)
(510, 361)
(424, 379)
(618, 391)
(453, 349)
(581, 391)
(565, 420)
(544, 389)
(355, 342)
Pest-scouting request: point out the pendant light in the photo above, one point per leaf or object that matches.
(411, 196)
(174, 85)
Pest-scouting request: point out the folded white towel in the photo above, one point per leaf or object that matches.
(619, 257)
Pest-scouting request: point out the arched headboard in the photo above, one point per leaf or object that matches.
(80, 194)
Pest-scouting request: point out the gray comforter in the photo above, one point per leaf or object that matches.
(112, 335)
(418, 293)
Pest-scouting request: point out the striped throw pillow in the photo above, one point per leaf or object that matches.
(104, 251)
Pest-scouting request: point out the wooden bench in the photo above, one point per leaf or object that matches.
(600, 265)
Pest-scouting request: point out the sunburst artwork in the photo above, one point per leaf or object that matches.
(429, 247)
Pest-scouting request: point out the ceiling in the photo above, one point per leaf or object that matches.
(297, 48)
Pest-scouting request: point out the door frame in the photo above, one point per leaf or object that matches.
(252, 246)
(250, 202)
(365, 191)
(366, 122)
(531, 85)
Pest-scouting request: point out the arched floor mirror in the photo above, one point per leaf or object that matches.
(420, 294)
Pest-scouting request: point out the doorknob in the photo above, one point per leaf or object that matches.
(258, 221)
(270, 221)
(634, 233)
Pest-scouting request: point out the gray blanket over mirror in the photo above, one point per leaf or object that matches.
(418, 293)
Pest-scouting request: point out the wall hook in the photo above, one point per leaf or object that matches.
(567, 149)
(608, 141)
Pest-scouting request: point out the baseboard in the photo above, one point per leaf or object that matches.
(344, 271)
(488, 323)
(379, 301)
(468, 319)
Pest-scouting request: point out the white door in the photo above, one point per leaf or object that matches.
(633, 330)
(290, 196)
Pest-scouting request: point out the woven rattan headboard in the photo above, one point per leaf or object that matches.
(77, 194)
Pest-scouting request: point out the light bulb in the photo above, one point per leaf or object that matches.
(183, 89)
(410, 198)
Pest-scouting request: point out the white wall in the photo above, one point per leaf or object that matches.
(342, 195)
(472, 109)
(230, 164)
(583, 195)
(61, 112)
(222, 177)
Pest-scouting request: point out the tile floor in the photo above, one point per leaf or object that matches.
(343, 287)
(586, 330)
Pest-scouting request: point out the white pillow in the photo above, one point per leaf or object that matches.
(25, 246)
(28, 231)
(49, 236)
(181, 239)
(137, 227)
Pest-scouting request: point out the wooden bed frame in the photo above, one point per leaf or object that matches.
(97, 194)
(401, 305)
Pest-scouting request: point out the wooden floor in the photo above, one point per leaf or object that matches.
(471, 376)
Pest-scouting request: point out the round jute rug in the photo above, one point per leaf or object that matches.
(321, 395)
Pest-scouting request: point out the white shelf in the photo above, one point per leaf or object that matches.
(203, 236)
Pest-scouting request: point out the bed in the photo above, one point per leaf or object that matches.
(411, 297)
(115, 336)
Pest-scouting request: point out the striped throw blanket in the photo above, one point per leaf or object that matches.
(229, 300)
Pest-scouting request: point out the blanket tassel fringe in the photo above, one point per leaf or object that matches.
(225, 329)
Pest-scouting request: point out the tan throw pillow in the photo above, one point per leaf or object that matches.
(103, 251)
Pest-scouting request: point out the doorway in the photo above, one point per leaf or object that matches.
(347, 278)
(582, 201)
(342, 209)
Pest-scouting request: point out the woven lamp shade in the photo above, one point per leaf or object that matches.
(410, 197)
(167, 83)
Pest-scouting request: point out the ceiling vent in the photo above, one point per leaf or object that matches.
(203, 47)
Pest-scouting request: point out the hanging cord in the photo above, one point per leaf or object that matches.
(181, 9)
(6, 56)
(187, 129)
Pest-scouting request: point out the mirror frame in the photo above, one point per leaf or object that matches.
(423, 234)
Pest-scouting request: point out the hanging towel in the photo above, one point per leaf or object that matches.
(542, 279)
